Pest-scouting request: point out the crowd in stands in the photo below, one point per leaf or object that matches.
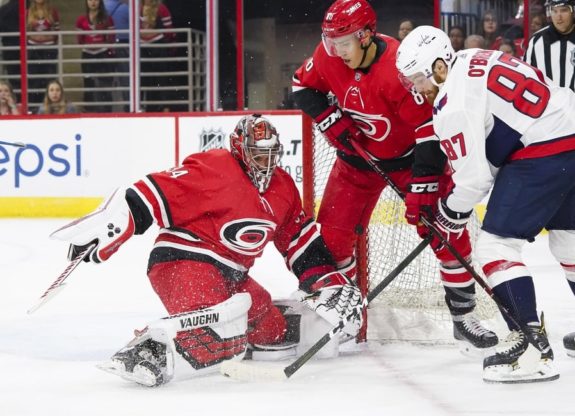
(493, 33)
(105, 67)
(98, 64)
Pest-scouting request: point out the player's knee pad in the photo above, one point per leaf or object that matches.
(194, 343)
(500, 258)
(562, 245)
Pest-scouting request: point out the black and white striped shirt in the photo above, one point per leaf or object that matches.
(554, 54)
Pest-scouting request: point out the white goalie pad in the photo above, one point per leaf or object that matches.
(186, 345)
(312, 328)
(110, 225)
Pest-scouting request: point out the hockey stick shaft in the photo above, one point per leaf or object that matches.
(15, 144)
(366, 156)
(297, 364)
(58, 284)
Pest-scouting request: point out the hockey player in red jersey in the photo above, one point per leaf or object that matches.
(394, 127)
(216, 213)
(506, 129)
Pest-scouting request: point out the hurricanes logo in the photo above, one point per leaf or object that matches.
(247, 236)
(375, 126)
(573, 57)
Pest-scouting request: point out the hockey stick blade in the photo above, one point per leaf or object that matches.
(15, 144)
(59, 283)
(243, 371)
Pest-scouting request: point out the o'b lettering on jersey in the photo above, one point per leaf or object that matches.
(247, 236)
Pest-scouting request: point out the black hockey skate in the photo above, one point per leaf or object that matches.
(144, 363)
(468, 329)
(569, 344)
(517, 362)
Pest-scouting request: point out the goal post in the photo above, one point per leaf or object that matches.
(412, 308)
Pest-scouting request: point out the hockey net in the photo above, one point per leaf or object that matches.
(412, 308)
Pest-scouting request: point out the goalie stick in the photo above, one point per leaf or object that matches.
(59, 283)
(241, 370)
(15, 144)
(369, 159)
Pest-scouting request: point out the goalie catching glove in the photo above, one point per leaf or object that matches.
(335, 297)
(449, 223)
(110, 226)
(339, 129)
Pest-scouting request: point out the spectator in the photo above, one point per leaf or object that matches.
(95, 55)
(55, 101)
(457, 37)
(474, 41)
(490, 28)
(9, 22)
(42, 17)
(8, 106)
(154, 15)
(508, 46)
(119, 11)
(552, 49)
(405, 26)
(538, 22)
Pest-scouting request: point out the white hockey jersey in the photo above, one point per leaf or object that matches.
(494, 108)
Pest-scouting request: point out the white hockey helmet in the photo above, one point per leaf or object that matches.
(418, 52)
(256, 145)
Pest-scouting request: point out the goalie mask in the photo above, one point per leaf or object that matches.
(418, 52)
(344, 21)
(255, 144)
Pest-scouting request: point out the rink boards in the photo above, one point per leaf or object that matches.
(72, 162)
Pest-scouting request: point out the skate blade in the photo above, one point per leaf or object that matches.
(140, 378)
(507, 374)
(468, 350)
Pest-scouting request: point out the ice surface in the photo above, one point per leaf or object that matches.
(48, 359)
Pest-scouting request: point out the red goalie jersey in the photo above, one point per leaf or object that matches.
(209, 211)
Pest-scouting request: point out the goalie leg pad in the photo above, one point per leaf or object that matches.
(188, 344)
(310, 329)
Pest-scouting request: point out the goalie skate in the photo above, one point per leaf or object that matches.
(144, 364)
(472, 337)
(519, 361)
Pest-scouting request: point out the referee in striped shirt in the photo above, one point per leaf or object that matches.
(552, 49)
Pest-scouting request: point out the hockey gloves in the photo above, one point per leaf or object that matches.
(421, 199)
(339, 129)
(451, 225)
(335, 298)
(110, 226)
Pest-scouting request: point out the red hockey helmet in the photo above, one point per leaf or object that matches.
(255, 144)
(346, 17)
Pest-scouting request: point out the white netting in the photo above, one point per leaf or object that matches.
(412, 307)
